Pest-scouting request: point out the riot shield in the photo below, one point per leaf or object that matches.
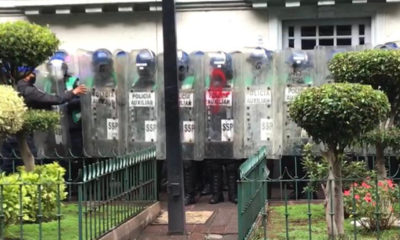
(296, 70)
(100, 107)
(323, 54)
(261, 108)
(52, 78)
(220, 124)
(145, 102)
(121, 66)
(191, 104)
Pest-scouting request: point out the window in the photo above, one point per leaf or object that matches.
(308, 34)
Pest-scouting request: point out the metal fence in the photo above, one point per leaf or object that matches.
(283, 205)
(290, 168)
(252, 192)
(102, 194)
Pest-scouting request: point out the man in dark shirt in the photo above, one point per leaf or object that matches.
(34, 99)
(37, 99)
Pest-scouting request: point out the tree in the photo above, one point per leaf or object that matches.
(336, 115)
(380, 69)
(23, 47)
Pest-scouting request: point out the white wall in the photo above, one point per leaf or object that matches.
(207, 30)
(107, 30)
(221, 30)
(391, 31)
(199, 30)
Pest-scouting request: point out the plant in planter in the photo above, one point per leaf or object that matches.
(336, 115)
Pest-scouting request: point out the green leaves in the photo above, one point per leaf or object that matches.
(337, 114)
(40, 120)
(317, 168)
(378, 68)
(49, 176)
(25, 44)
(12, 109)
(387, 137)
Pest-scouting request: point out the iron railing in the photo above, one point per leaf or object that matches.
(287, 217)
(102, 195)
(252, 192)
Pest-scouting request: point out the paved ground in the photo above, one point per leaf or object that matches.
(222, 224)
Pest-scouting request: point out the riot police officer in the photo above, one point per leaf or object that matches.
(188, 103)
(100, 108)
(65, 81)
(143, 101)
(220, 126)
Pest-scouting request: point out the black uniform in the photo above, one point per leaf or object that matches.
(37, 99)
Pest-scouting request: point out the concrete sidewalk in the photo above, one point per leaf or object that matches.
(223, 224)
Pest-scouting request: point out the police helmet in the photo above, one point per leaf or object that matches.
(102, 61)
(146, 62)
(57, 64)
(299, 59)
(102, 56)
(390, 46)
(260, 57)
(223, 61)
(183, 64)
(198, 53)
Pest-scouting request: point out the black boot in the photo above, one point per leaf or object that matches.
(188, 175)
(206, 189)
(216, 184)
(232, 181)
(206, 177)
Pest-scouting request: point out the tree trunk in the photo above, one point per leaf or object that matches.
(26, 154)
(334, 211)
(380, 161)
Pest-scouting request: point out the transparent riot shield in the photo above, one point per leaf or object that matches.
(322, 56)
(121, 66)
(100, 107)
(145, 102)
(220, 124)
(191, 104)
(296, 70)
(52, 78)
(261, 108)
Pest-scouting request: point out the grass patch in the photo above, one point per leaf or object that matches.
(97, 223)
(298, 225)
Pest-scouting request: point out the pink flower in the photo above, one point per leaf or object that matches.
(380, 184)
(364, 185)
(368, 198)
(390, 183)
(357, 197)
(355, 184)
(346, 193)
(374, 204)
